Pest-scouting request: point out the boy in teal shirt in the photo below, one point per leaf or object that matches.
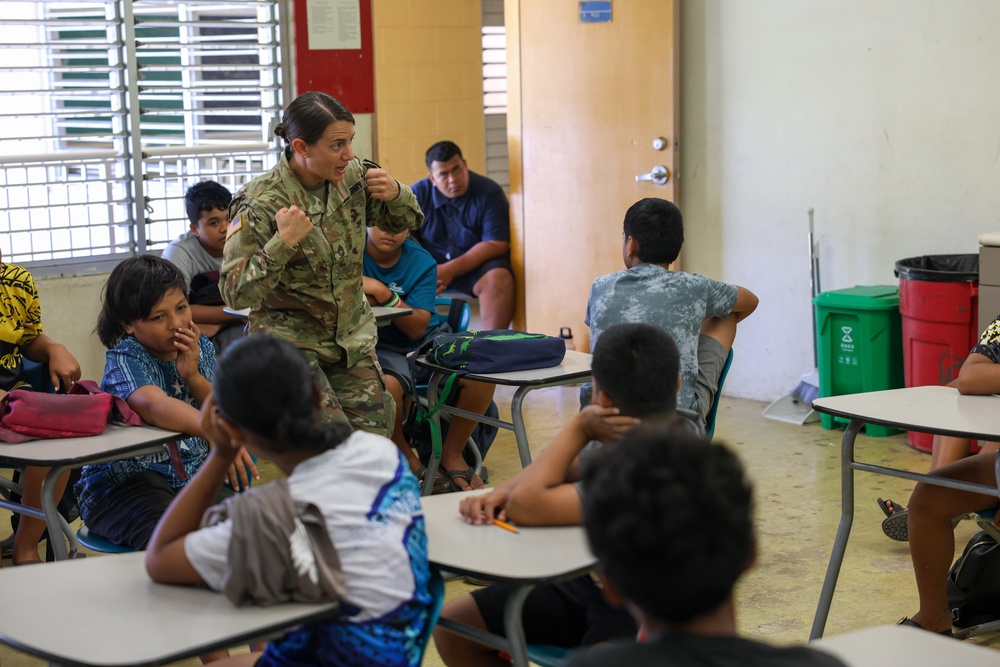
(400, 274)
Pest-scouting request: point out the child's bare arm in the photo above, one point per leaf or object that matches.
(746, 303)
(63, 366)
(188, 344)
(156, 408)
(414, 325)
(166, 561)
(545, 494)
(979, 375)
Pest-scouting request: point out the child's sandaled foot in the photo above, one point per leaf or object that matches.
(896, 522)
(464, 480)
(906, 620)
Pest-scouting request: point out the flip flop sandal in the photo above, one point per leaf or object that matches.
(884, 506)
(466, 474)
(906, 620)
(896, 526)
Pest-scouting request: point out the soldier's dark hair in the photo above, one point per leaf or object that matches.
(134, 287)
(308, 116)
(637, 365)
(646, 505)
(442, 151)
(280, 410)
(206, 196)
(658, 227)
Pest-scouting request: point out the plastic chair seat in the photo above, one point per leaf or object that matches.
(95, 542)
(547, 656)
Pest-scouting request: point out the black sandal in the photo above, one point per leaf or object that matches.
(906, 620)
(896, 522)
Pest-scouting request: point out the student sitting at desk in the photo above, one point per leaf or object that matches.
(399, 273)
(353, 493)
(198, 254)
(21, 336)
(635, 377)
(646, 513)
(700, 314)
(980, 374)
(932, 536)
(159, 362)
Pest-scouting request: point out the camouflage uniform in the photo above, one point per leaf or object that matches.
(311, 294)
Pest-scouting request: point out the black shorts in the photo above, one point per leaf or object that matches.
(465, 282)
(567, 614)
(130, 513)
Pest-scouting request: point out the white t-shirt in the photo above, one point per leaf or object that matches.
(368, 512)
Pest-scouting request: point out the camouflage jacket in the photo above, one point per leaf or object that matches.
(310, 294)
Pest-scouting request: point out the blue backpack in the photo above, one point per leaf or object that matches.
(496, 351)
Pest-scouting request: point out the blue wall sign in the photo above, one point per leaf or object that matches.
(595, 12)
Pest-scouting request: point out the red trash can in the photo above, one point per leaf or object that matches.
(939, 305)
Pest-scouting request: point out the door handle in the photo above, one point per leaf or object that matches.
(660, 175)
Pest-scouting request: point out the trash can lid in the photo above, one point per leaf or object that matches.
(861, 297)
(939, 268)
(991, 239)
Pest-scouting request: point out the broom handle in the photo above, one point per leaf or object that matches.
(813, 281)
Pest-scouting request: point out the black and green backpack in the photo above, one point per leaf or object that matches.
(496, 351)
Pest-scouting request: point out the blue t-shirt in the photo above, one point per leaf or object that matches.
(414, 279)
(675, 301)
(452, 226)
(129, 366)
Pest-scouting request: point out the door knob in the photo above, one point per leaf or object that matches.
(660, 175)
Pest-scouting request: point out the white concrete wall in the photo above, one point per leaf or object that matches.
(882, 116)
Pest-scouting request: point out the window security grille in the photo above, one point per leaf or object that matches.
(118, 106)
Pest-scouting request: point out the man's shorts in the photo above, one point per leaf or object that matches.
(711, 360)
(568, 613)
(465, 282)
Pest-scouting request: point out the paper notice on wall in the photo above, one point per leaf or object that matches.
(334, 24)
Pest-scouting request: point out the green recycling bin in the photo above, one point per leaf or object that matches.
(859, 339)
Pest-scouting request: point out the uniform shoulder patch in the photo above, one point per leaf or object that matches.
(235, 225)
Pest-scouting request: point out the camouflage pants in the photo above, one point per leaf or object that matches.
(355, 394)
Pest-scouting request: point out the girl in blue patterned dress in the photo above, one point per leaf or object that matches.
(368, 501)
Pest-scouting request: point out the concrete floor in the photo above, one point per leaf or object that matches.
(796, 474)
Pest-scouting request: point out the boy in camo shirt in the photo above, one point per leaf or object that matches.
(699, 313)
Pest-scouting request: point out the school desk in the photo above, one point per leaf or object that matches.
(109, 613)
(574, 368)
(61, 454)
(526, 558)
(901, 646)
(933, 409)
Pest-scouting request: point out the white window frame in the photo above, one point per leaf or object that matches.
(99, 171)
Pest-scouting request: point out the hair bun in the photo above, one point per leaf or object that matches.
(279, 131)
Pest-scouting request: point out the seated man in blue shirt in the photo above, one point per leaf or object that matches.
(467, 230)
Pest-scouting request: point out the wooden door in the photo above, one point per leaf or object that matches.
(586, 102)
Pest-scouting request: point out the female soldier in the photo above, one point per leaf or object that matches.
(294, 254)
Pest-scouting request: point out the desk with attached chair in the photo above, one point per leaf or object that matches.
(931, 409)
(127, 619)
(533, 555)
(575, 368)
(901, 646)
(61, 454)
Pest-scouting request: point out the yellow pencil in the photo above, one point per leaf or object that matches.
(504, 525)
